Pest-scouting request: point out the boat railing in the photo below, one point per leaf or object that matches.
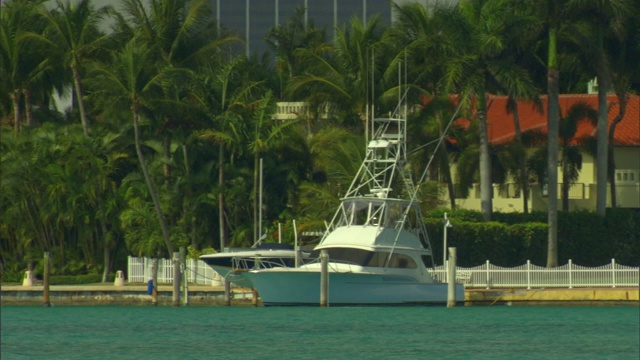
(256, 263)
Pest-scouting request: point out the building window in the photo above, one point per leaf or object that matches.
(627, 176)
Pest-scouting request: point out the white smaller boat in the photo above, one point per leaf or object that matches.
(228, 264)
(263, 256)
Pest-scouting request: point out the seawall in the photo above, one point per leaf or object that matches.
(60, 295)
(118, 295)
(554, 296)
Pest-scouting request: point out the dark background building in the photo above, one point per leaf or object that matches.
(256, 17)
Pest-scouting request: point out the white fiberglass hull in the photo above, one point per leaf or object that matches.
(300, 287)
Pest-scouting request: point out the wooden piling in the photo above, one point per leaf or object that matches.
(183, 275)
(254, 300)
(154, 283)
(45, 288)
(176, 279)
(227, 292)
(324, 278)
(451, 271)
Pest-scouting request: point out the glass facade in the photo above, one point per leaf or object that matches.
(255, 17)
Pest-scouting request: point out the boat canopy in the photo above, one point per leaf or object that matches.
(373, 211)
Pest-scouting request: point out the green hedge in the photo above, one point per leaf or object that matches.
(585, 238)
(75, 279)
(501, 244)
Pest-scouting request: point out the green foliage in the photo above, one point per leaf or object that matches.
(76, 193)
(76, 279)
(501, 244)
(584, 237)
(11, 273)
(194, 253)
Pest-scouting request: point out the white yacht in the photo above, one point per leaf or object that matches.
(379, 251)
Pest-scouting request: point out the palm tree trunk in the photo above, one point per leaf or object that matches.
(28, 100)
(223, 233)
(445, 167)
(622, 100)
(553, 121)
(15, 98)
(486, 193)
(106, 253)
(151, 187)
(602, 157)
(78, 90)
(166, 168)
(255, 197)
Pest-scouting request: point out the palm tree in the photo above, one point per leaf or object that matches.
(24, 65)
(482, 63)
(553, 15)
(335, 155)
(183, 36)
(604, 16)
(73, 33)
(131, 79)
(263, 133)
(340, 77)
(288, 39)
(570, 157)
(623, 51)
(220, 94)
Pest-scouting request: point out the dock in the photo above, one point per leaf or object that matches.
(199, 295)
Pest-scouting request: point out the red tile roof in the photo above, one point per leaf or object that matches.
(501, 128)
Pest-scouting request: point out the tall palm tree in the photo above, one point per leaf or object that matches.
(183, 36)
(73, 33)
(481, 64)
(131, 79)
(623, 50)
(553, 15)
(263, 133)
(605, 17)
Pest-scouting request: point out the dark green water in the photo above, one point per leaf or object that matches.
(320, 333)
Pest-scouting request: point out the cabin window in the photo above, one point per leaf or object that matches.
(367, 258)
(345, 255)
(402, 261)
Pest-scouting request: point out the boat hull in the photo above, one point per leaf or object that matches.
(291, 288)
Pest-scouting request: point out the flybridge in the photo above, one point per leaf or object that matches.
(384, 162)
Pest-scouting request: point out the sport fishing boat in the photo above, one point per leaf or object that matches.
(377, 244)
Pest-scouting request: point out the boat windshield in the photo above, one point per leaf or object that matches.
(367, 258)
(375, 212)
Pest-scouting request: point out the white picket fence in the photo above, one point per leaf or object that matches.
(197, 271)
(486, 276)
(530, 276)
